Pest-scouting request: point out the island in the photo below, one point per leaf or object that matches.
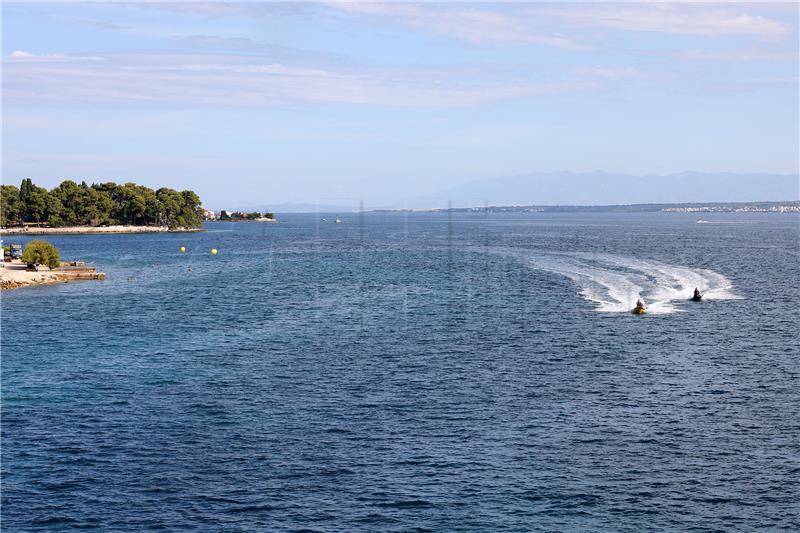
(97, 208)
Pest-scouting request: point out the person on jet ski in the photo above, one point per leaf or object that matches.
(697, 294)
(639, 304)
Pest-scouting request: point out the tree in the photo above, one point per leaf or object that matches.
(54, 209)
(36, 204)
(70, 204)
(133, 204)
(97, 208)
(10, 206)
(25, 189)
(112, 192)
(192, 212)
(170, 207)
(152, 207)
(72, 199)
(41, 253)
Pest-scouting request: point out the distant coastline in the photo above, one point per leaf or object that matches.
(239, 216)
(243, 220)
(93, 230)
(791, 206)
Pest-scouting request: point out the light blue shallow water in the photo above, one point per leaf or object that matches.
(417, 372)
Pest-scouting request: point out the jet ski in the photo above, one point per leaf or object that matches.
(696, 297)
(640, 309)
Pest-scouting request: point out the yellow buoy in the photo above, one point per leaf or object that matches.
(213, 251)
(183, 249)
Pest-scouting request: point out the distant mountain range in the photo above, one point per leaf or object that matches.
(604, 188)
(585, 189)
(302, 208)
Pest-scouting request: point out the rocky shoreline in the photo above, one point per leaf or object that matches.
(93, 230)
(16, 275)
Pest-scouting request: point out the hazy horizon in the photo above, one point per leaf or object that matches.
(577, 189)
(333, 103)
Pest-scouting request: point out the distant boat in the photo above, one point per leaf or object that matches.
(338, 221)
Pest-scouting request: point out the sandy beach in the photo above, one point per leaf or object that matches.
(86, 230)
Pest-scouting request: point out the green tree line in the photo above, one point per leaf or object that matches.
(98, 204)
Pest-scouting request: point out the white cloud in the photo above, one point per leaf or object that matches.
(684, 18)
(21, 55)
(616, 73)
(466, 23)
(521, 23)
(739, 55)
(234, 80)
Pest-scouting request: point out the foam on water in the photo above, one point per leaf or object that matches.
(615, 282)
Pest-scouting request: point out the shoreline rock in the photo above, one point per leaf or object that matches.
(92, 230)
(15, 275)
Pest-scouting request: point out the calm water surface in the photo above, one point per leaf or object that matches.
(415, 373)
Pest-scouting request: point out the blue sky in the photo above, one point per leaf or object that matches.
(262, 104)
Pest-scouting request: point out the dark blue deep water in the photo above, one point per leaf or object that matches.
(418, 372)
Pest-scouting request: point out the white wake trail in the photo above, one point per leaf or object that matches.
(615, 282)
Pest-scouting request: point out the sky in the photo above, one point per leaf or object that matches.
(331, 103)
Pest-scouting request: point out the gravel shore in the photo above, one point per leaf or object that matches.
(84, 230)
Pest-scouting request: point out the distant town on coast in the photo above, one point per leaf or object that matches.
(710, 207)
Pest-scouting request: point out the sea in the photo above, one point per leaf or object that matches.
(411, 372)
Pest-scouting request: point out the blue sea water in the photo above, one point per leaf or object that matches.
(411, 372)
